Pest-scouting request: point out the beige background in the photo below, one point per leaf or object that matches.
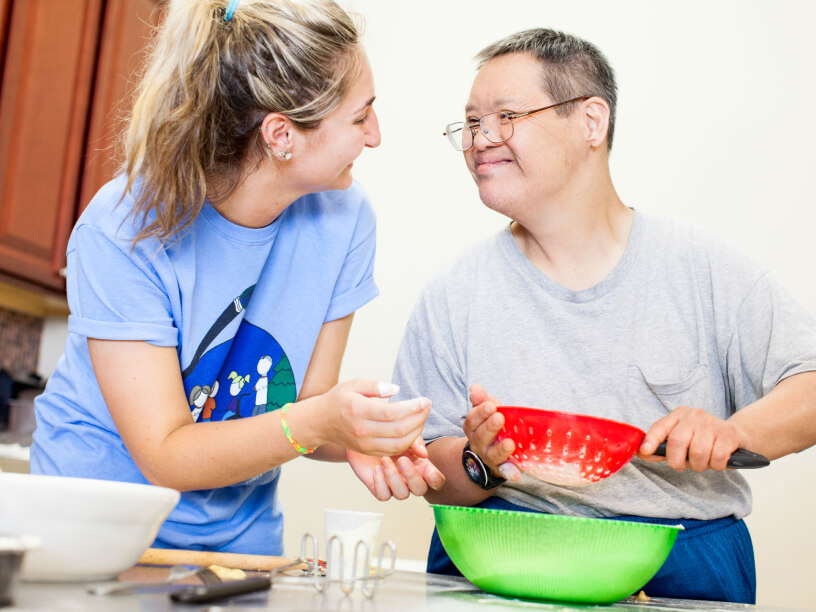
(716, 126)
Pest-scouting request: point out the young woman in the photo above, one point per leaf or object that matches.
(222, 269)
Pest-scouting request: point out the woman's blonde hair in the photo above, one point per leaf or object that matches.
(209, 83)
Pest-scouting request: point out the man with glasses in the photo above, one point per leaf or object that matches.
(583, 304)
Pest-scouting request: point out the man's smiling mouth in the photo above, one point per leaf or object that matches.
(485, 165)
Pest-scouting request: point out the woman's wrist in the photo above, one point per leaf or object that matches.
(303, 450)
(301, 424)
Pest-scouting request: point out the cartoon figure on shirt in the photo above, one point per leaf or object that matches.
(209, 405)
(228, 355)
(264, 365)
(237, 383)
(197, 398)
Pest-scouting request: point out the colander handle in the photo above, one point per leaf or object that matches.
(740, 458)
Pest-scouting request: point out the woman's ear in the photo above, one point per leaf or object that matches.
(277, 134)
(596, 115)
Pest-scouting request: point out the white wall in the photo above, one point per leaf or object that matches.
(52, 344)
(716, 126)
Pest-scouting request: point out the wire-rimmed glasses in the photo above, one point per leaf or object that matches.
(497, 127)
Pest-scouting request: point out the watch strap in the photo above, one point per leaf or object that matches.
(478, 472)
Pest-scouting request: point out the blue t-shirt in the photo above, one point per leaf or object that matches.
(243, 306)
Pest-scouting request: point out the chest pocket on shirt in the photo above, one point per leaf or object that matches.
(651, 396)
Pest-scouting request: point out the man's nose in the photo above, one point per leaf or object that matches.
(480, 140)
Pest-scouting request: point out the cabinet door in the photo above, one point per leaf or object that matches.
(128, 26)
(5, 8)
(47, 79)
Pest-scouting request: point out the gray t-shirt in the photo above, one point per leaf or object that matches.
(681, 320)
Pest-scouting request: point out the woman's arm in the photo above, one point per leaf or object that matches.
(143, 389)
(385, 477)
(324, 372)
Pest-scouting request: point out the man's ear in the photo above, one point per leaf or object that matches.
(596, 116)
(277, 132)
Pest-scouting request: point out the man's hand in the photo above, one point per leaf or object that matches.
(481, 426)
(695, 439)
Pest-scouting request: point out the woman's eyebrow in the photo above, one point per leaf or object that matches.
(366, 105)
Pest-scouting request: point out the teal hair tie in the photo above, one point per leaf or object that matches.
(231, 9)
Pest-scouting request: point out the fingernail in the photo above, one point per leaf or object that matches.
(387, 389)
(508, 471)
(424, 403)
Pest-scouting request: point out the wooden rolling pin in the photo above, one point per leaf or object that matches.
(168, 556)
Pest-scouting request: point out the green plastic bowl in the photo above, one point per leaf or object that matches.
(551, 556)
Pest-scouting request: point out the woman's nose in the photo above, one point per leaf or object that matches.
(373, 136)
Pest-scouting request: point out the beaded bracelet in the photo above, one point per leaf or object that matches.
(302, 450)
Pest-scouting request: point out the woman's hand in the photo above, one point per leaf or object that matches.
(356, 417)
(694, 439)
(410, 473)
(481, 426)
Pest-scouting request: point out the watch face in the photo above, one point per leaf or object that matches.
(474, 469)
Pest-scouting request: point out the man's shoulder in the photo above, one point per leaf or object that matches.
(461, 270)
(450, 290)
(683, 243)
(674, 232)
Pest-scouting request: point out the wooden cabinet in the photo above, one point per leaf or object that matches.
(5, 8)
(127, 28)
(68, 69)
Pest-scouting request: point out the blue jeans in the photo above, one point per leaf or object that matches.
(710, 559)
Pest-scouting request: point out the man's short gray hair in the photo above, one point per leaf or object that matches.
(572, 67)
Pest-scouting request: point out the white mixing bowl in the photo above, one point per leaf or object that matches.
(88, 529)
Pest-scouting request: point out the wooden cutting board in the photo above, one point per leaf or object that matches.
(167, 556)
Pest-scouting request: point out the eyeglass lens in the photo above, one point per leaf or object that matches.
(497, 127)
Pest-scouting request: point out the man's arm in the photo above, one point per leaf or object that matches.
(459, 490)
(780, 423)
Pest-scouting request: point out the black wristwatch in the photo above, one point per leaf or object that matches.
(478, 472)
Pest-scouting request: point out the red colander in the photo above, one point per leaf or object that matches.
(567, 449)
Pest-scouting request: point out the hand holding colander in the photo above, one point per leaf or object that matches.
(574, 449)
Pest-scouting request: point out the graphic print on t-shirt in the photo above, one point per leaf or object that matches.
(246, 375)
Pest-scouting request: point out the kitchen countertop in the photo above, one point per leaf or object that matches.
(398, 592)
